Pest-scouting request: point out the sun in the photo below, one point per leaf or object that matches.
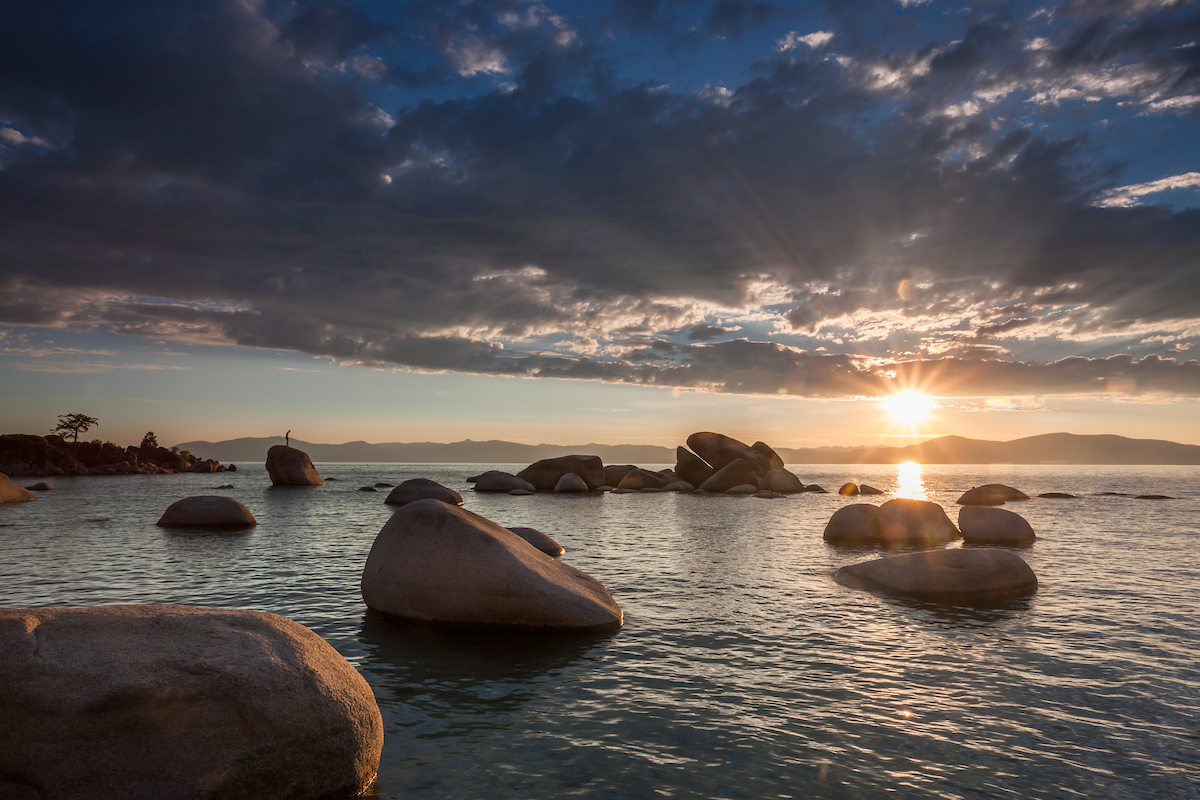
(908, 408)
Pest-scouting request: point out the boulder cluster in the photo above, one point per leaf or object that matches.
(25, 454)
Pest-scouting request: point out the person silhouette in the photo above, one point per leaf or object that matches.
(287, 438)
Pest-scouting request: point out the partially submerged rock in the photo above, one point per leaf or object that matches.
(853, 525)
(420, 489)
(570, 483)
(745, 488)
(848, 490)
(496, 481)
(545, 474)
(288, 466)
(11, 493)
(179, 702)
(691, 467)
(781, 481)
(907, 521)
(720, 450)
(642, 479)
(207, 511)
(40, 487)
(1056, 496)
(683, 487)
(615, 473)
(539, 540)
(735, 473)
(1153, 497)
(994, 526)
(975, 576)
(865, 489)
(443, 564)
(991, 494)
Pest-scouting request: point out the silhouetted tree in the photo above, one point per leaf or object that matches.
(74, 424)
(150, 440)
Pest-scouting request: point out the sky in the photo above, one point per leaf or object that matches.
(612, 222)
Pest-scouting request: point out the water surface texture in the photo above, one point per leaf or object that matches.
(743, 670)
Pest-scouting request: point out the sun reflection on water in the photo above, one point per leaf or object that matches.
(910, 485)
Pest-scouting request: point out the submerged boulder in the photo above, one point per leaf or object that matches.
(691, 467)
(743, 489)
(735, 473)
(996, 526)
(539, 540)
(288, 466)
(207, 511)
(991, 494)
(854, 524)
(780, 480)
(12, 493)
(865, 489)
(444, 564)
(189, 703)
(496, 481)
(683, 487)
(906, 521)
(545, 474)
(975, 576)
(720, 450)
(420, 489)
(849, 490)
(40, 487)
(570, 482)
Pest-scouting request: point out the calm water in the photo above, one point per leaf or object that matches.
(743, 670)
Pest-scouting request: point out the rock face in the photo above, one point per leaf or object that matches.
(720, 451)
(642, 479)
(905, 521)
(991, 494)
(182, 702)
(539, 540)
(443, 564)
(691, 467)
(207, 511)
(848, 490)
(615, 473)
(421, 488)
(735, 473)
(765, 450)
(780, 480)
(545, 474)
(854, 524)
(288, 466)
(988, 525)
(570, 482)
(976, 576)
(11, 493)
(496, 481)
(865, 489)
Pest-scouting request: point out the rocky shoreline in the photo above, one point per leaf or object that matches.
(27, 455)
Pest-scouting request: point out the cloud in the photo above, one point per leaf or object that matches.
(1129, 196)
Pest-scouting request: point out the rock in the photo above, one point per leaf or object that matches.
(905, 521)
(570, 482)
(1056, 496)
(225, 486)
(996, 526)
(679, 486)
(615, 473)
(367, 489)
(735, 473)
(764, 450)
(720, 451)
(1153, 497)
(745, 488)
(231, 468)
(496, 481)
(812, 487)
(189, 703)
(40, 487)
(604, 488)
(11, 493)
(545, 474)
(975, 576)
(1113, 494)
(691, 467)
(382, 485)
(780, 480)
(421, 488)
(642, 479)
(539, 540)
(207, 511)
(333, 479)
(472, 479)
(865, 489)
(848, 490)
(288, 466)
(853, 524)
(624, 491)
(992, 494)
(444, 564)
(521, 492)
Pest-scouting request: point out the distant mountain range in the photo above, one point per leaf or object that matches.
(1050, 448)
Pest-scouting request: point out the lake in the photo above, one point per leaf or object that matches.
(742, 671)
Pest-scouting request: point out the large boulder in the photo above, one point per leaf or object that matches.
(849, 490)
(545, 474)
(207, 511)
(991, 494)
(720, 450)
(288, 466)
(642, 479)
(853, 525)
(691, 467)
(570, 483)
(733, 474)
(975, 576)
(765, 450)
(996, 526)
(615, 473)
(496, 481)
(444, 564)
(780, 480)
(539, 540)
(12, 493)
(907, 521)
(154, 701)
(420, 489)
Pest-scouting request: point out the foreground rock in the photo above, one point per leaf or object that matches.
(976, 576)
(539, 540)
(545, 474)
(420, 489)
(288, 466)
(496, 481)
(992, 494)
(207, 511)
(735, 473)
(179, 702)
(443, 564)
(905, 521)
(853, 525)
(780, 480)
(11, 493)
(720, 450)
(995, 526)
